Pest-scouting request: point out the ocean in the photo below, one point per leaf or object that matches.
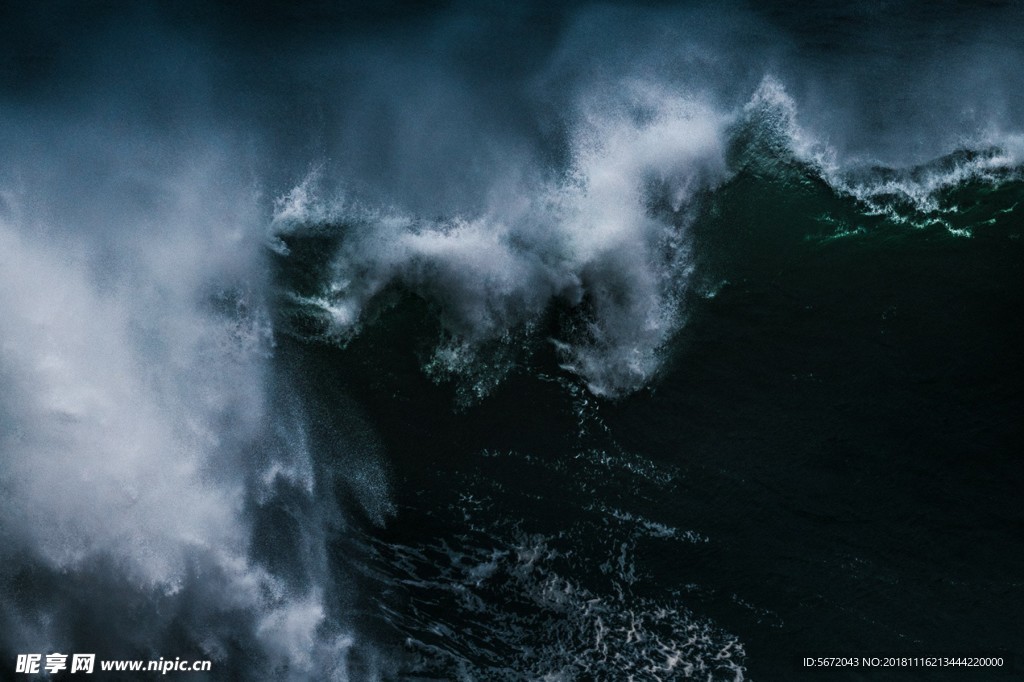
(469, 341)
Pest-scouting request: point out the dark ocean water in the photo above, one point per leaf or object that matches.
(463, 342)
(827, 462)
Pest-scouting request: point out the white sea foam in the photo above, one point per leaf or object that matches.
(919, 189)
(911, 195)
(595, 240)
(590, 239)
(572, 631)
(133, 336)
(134, 397)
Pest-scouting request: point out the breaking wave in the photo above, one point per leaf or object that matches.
(205, 388)
(607, 244)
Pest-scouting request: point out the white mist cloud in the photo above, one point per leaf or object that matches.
(134, 351)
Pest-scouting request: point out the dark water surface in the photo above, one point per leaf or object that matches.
(458, 341)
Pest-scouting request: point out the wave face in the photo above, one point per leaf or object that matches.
(594, 342)
(607, 244)
(588, 240)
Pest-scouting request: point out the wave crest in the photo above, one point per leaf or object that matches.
(607, 240)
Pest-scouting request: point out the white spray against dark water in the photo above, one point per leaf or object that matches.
(136, 414)
(590, 236)
(141, 420)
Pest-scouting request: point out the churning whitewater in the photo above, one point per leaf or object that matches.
(607, 239)
(594, 342)
(587, 238)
